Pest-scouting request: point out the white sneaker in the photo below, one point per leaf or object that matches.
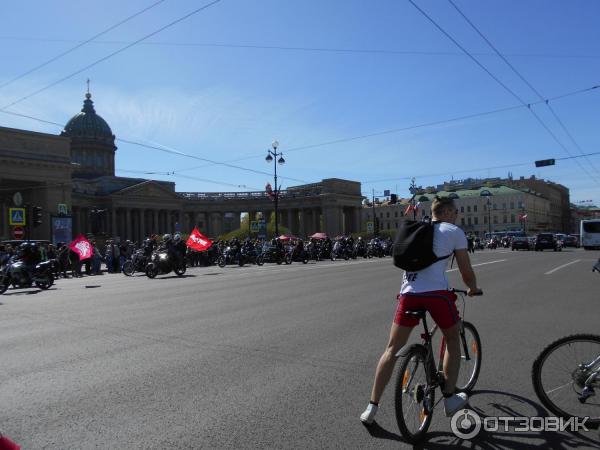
(454, 403)
(369, 415)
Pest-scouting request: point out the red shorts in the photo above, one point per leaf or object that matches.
(440, 304)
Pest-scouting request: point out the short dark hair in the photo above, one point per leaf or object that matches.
(442, 204)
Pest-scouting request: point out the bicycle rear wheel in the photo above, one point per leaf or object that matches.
(559, 379)
(414, 397)
(470, 358)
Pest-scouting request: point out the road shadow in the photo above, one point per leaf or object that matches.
(490, 403)
(28, 292)
(175, 276)
(212, 273)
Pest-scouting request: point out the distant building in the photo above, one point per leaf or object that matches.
(482, 209)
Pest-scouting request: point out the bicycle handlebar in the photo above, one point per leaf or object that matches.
(462, 291)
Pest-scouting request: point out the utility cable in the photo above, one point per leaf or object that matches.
(81, 44)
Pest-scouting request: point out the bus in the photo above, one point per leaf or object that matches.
(590, 234)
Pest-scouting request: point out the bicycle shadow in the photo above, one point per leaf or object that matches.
(491, 403)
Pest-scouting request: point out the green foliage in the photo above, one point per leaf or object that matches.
(243, 231)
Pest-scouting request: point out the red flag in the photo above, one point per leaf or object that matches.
(82, 247)
(197, 241)
(7, 444)
(408, 209)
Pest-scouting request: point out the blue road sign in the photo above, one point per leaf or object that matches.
(16, 216)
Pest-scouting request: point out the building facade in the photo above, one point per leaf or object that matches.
(76, 170)
(480, 210)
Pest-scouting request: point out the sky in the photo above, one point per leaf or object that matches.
(370, 91)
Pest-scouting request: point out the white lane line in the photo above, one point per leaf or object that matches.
(480, 264)
(560, 267)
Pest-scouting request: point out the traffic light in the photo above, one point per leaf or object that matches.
(37, 216)
(544, 162)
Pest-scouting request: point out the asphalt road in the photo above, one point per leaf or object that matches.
(268, 357)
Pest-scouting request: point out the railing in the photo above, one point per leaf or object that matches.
(256, 195)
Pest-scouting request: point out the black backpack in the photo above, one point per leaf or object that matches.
(413, 246)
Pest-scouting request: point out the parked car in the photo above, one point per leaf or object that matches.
(547, 241)
(520, 243)
(571, 241)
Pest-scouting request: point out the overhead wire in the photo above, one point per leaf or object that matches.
(305, 49)
(98, 61)
(81, 44)
(395, 130)
(540, 96)
(508, 89)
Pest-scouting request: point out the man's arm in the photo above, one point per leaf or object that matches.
(466, 271)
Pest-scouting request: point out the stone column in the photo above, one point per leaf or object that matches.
(144, 224)
(302, 224)
(331, 220)
(128, 223)
(155, 227)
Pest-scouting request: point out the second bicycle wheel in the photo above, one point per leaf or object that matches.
(414, 398)
(470, 358)
(559, 376)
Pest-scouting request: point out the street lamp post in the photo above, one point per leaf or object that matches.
(272, 156)
(413, 191)
(488, 194)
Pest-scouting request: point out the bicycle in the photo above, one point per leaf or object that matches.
(566, 375)
(418, 378)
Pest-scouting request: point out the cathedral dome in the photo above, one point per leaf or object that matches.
(88, 124)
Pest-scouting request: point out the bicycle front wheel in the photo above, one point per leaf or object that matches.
(470, 358)
(559, 377)
(414, 397)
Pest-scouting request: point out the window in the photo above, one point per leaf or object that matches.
(387, 214)
(396, 224)
(512, 205)
(469, 208)
(476, 220)
(475, 208)
(462, 221)
(462, 209)
(469, 221)
(512, 218)
(396, 216)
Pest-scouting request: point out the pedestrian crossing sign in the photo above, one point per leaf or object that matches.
(16, 216)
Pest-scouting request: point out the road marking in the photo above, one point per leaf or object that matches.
(480, 264)
(560, 267)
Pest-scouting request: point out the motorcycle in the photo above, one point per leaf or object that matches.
(298, 255)
(15, 272)
(250, 256)
(231, 255)
(271, 253)
(161, 264)
(137, 263)
(339, 251)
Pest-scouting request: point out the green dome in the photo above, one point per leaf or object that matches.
(87, 124)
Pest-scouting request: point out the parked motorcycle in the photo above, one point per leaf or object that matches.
(231, 255)
(339, 251)
(273, 254)
(137, 263)
(161, 264)
(250, 256)
(15, 273)
(298, 255)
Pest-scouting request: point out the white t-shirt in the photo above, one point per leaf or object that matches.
(446, 238)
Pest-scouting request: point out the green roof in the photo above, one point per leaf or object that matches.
(462, 193)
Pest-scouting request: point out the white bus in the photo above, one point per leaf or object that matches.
(590, 234)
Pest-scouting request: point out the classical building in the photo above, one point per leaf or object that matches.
(495, 208)
(76, 171)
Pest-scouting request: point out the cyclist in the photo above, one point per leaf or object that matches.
(428, 289)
